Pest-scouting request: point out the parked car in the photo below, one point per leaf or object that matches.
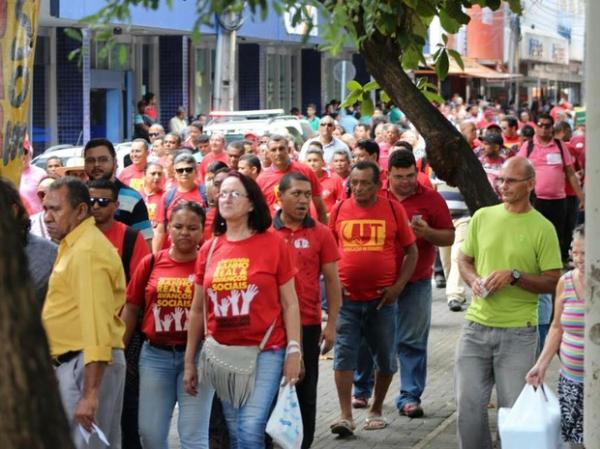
(64, 152)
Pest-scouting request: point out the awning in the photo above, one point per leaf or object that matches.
(472, 70)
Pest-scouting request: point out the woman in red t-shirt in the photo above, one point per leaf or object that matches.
(162, 287)
(248, 287)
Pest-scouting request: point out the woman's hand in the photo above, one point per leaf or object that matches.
(535, 376)
(190, 379)
(291, 368)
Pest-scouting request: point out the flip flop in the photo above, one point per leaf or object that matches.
(375, 423)
(344, 428)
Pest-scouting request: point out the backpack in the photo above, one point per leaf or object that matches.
(558, 144)
(127, 251)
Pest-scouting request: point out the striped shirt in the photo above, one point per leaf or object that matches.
(572, 323)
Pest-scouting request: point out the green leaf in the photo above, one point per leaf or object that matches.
(411, 58)
(367, 107)
(352, 98)
(515, 6)
(74, 54)
(353, 85)
(384, 97)
(449, 24)
(74, 34)
(442, 64)
(425, 8)
(494, 4)
(445, 38)
(371, 85)
(411, 3)
(123, 55)
(433, 96)
(457, 57)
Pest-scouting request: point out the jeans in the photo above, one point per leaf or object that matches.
(70, 376)
(545, 305)
(307, 388)
(161, 386)
(360, 320)
(247, 424)
(413, 319)
(455, 286)
(486, 356)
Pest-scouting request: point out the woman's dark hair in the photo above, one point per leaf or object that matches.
(527, 131)
(192, 206)
(216, 166)
(259, 218)
(9, 195)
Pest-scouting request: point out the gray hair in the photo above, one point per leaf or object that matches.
(184, 156)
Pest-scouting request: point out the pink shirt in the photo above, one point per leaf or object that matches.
(549, 169)
(30, 178)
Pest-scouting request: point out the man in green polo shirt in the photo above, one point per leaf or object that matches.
(510, 255)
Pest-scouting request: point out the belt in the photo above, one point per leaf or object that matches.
(170, 348)
(64, 358)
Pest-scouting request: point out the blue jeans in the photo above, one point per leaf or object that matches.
(247, 424)
(358, 321)
(413, 320)
(161, 386)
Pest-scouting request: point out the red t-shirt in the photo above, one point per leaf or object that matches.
(433, 209)
(208, 223)
(116, 235)
(165, 295)
(209, 159)
(163, 215)
(368, 241)
(152, 201)
(269, 178)
(241, 288)
(576, 156)
(332, 189)
(133, 177)
(311, 247)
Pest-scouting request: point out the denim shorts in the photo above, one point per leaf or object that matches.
(358, 319)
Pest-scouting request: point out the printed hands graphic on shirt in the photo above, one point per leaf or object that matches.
(157, 322)
(177, 315)
(247, 298)
(166, 322)
(234, 299)
(213, 298)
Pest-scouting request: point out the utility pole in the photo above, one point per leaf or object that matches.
(591, 407)
(224, 91)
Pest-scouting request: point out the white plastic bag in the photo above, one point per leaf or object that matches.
(285, 423)
(533, 422)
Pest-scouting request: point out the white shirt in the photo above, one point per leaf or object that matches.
(328, 148)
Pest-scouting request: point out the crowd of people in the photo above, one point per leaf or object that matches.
(207, 273)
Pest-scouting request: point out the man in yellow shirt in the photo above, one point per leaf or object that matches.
(85, 294)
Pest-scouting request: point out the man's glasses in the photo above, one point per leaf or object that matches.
(544, 125)
(329, 125)
(510, 181)
(154, 134)
(183, 170)
(102, 202)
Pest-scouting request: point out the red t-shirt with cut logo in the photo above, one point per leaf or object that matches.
(165, 295)
(133, 177)
(311, 247)
(269, 178)
(241, 288)
(433, 209)
(152, 201)
(368, 241)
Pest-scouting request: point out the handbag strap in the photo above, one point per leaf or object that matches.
(204, 309)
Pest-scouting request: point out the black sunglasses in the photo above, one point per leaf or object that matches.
(185, 170)
(102, 202)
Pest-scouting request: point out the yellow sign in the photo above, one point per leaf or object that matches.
(18, 31)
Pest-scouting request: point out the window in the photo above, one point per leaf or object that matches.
(108, 59)
(203, 75)
(282, 79)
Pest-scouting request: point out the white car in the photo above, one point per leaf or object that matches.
(64, 152)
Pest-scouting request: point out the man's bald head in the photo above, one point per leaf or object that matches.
(520, 164)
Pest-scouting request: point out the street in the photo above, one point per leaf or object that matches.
(436, 430)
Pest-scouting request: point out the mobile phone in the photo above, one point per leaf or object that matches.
(416, 218)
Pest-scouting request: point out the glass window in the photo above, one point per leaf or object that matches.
(203, 76)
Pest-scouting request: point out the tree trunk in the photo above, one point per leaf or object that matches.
(448, 152)
(31, 413)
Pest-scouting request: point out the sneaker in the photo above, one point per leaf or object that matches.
(440, 282)
(455, 305)
(412, 410)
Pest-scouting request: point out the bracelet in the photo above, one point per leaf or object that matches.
(293, 350)
(293, 344)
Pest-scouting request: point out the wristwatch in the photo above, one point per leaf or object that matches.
(516, 275)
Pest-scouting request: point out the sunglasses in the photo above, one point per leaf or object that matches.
(183, 170)
(153, 134)
(102, 202)
(329, 125)
(544, 125)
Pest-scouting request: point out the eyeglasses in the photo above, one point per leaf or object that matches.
(510, 181)
(546, 125)
(97, 160)
(102, 202)
(153, 134)
(183, 170)
(329, 125)
(234, 194)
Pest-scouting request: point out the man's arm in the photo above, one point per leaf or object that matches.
(159, 236)
(534, 283)
(437, 237)
(572, 177)
(320, 208)
(466, 266)
(334, 299)
(85, 411)
(390, 294)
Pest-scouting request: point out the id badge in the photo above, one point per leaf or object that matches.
(553, 159)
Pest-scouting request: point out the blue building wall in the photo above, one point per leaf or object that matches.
(171, 79)
(39, 133)
(69, 90)
(311, 78)
(249, 76)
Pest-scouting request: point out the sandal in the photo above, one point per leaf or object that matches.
(359, 402)
(412, 410)
(344, 428)
(375, 423)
